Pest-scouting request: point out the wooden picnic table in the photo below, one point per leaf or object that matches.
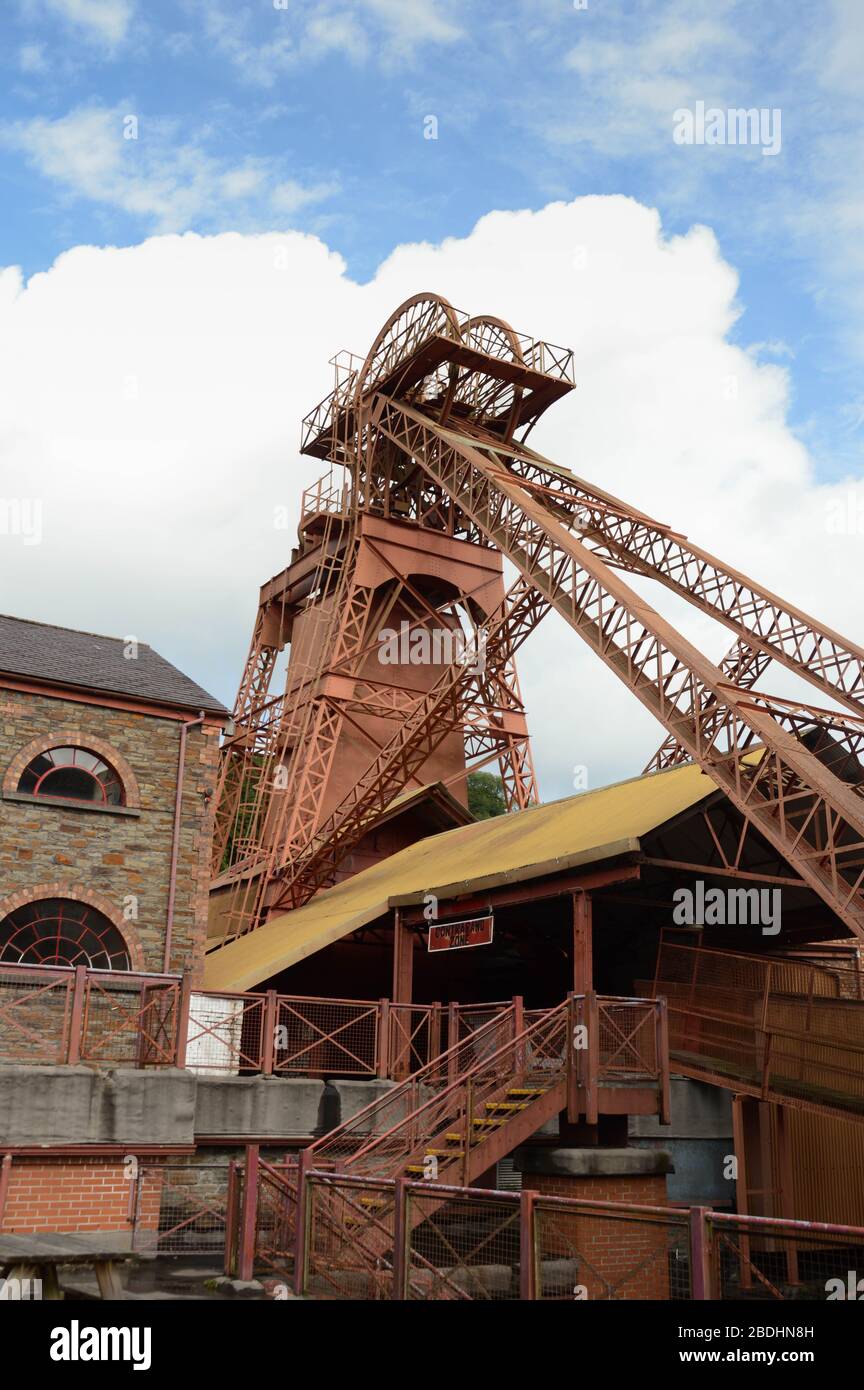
(38, 1257)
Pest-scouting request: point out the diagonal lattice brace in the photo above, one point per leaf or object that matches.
(808, 814)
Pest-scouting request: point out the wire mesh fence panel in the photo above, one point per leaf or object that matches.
(276, 1219)
(843, 963)
(35, 1013)
(815, 1048)
(415, 1037)
(586, 1253)
(462, 1248)
(469, 1244)
(333, 1037)
(119, 1017)
(788, 1025)
(225, 1033)
(741, 975)
(349, 1239)
(628, 1038)
(775, 1262)
(129, 1021)
(181, 1208)
(471, 1017)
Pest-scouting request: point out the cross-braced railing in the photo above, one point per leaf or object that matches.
(505, 1073)
(444, 1242)
(66, 1015)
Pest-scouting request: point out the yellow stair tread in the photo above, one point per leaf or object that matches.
(506, 1105)
(528, 1091)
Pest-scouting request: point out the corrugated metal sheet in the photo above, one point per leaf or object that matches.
(528, 844)
(827, 1159)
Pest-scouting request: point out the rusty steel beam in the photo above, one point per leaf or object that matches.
(442, 710)
(630, 539)
(426, 428)
(812, 818)
(742, 665)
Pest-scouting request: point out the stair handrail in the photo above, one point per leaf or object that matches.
(450, 1058)
(487, 1065)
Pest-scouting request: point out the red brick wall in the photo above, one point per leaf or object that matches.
(649, 1191)
(73, 1195)
(617, 1258)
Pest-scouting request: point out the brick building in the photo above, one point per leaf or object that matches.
(108, 760)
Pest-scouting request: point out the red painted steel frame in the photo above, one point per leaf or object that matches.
(427, 429)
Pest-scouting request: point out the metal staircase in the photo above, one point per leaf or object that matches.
(463, 1112)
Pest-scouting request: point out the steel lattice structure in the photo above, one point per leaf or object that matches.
(431, 430)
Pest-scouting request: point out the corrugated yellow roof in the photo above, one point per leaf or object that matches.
(527, 844)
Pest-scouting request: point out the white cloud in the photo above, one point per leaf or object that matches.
(153, 394)
(410, 24)
(290, 196)
(169, 183)
(31, 58)
(105, 20)
(390, 31)
(843, 54)
(629, 86)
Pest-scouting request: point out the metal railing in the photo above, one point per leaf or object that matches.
(477, 1244)
(778, 1028)
(68, 1015)
(182, 1208)
(406, 337)
(588, 1042)
(347, 1236)
(329, 494)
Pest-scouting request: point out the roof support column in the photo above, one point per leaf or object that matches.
(583, 969)
(403, 960)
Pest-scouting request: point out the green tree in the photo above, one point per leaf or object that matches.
(485, 795)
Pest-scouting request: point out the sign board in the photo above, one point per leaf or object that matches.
(456, 936)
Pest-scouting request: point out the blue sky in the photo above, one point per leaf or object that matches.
(312, 118)
(255, 115)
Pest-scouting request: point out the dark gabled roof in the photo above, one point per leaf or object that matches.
(66, 657)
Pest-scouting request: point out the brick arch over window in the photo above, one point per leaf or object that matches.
(75, 738)
(56, 888)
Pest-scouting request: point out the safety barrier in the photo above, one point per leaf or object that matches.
(70, 1015)
(780, 1028)
(440, 1242)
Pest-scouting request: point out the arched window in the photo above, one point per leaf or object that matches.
(72, 774)
(61, 931)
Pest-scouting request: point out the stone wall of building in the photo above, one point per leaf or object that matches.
(116, 859)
